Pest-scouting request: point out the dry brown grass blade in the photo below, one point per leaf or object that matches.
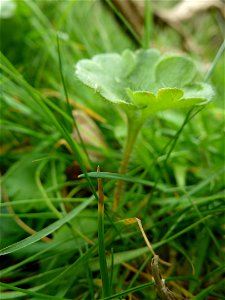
(162, 289)
(187, 9)
(138, 221)
(135, 270)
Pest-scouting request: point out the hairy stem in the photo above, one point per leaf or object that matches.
(132, 132)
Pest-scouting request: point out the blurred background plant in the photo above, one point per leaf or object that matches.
(42, 154)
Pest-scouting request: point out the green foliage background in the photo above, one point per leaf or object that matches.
(183, 215)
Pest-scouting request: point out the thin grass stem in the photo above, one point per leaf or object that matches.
(101, 242)
(43, 191)
(215, 61)
(148, 24)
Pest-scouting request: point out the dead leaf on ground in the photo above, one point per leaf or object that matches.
(187, 9)
(133, 11)
(91, 135)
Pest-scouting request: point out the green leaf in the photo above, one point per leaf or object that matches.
(20, 182)
(166, 98)
(106, 74)
(175, 71)
(144, 80)
(199, 90)
(111, 74)
(141, 99)
(142, 77)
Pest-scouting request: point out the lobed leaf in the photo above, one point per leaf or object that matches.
(145, 80)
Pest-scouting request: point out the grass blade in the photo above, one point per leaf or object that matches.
(46, 231)
(102, 257)
(148, 24)
(20, 292)
(131, 290)
(216, 59)
(117, 176)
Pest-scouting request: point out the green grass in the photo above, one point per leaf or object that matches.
(54, 244)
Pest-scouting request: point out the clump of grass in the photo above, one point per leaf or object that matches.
(50, 226)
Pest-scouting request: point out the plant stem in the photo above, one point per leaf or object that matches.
(133, 129)
(101, 242)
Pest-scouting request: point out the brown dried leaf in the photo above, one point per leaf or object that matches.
(90, 134)
(187, 9)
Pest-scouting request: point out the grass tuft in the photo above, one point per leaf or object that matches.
(55, 243)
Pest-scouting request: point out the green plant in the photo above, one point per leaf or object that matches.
(143, 83)
(175, 181)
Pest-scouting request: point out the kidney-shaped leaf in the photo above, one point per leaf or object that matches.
(145, 80)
